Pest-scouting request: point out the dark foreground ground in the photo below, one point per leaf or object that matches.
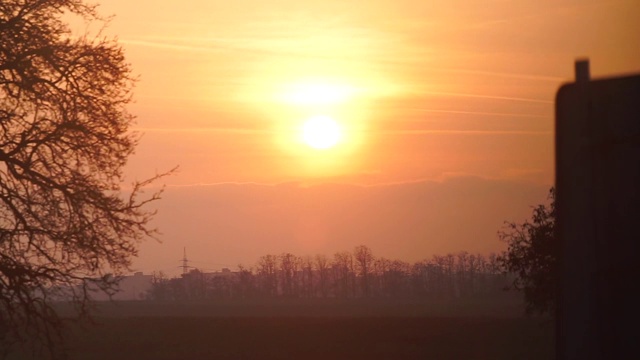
(369, 331)
(313, 338)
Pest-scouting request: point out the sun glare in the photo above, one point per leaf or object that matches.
(317, 93)
(321, 132)
(319, 121)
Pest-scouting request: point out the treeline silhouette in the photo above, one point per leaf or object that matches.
(356, 274)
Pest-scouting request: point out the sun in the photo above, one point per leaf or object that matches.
(321, 132)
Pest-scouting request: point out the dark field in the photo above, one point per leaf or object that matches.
(295, 330)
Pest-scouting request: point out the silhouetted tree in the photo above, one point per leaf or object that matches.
(380, 269)
(531, 256)
(267, 275)
(322, 268)
(474, 262)
(160, 288)
(461, 273)
(195, 285)
(343, 273)
(466, 272)
(420, 277)
(288, 270)
(364, 263)
(64, 139)
(493, 269)
(287, 276)
(397, 278)
(306, 265)
(246, 283)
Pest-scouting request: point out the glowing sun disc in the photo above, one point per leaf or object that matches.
(321, 132)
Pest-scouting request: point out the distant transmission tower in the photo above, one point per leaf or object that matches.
(185, 261)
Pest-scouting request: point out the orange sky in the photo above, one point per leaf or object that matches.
(446, 107)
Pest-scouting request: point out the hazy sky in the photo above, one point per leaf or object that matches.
(445, 107)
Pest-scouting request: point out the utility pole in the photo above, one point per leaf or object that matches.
(185, 261)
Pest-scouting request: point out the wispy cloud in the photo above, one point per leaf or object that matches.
(203, 129)
(504, 74)
(493, 97)
(283, 48)
(468, 132)
(476, 113)
(169, 45)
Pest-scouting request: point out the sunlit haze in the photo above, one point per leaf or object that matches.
(413, 127)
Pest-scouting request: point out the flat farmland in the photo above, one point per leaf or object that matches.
(311, 330)
(312, 338)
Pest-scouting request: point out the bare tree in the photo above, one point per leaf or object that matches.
(65, 221)
(481, 273)
(344, 275)
(381, 267)
(288, 270)
(267, 275)
(160, 290)
(421, 278)
(364, 262)
(322, 267)
(462, 273)
(306, 263)
(246, 284)
(449, 266)
(195, 285)
(440, 275)
(397, 278)
(472, 271)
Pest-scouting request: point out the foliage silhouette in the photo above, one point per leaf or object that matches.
(531, 255)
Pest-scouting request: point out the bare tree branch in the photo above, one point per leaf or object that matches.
(67, 227)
